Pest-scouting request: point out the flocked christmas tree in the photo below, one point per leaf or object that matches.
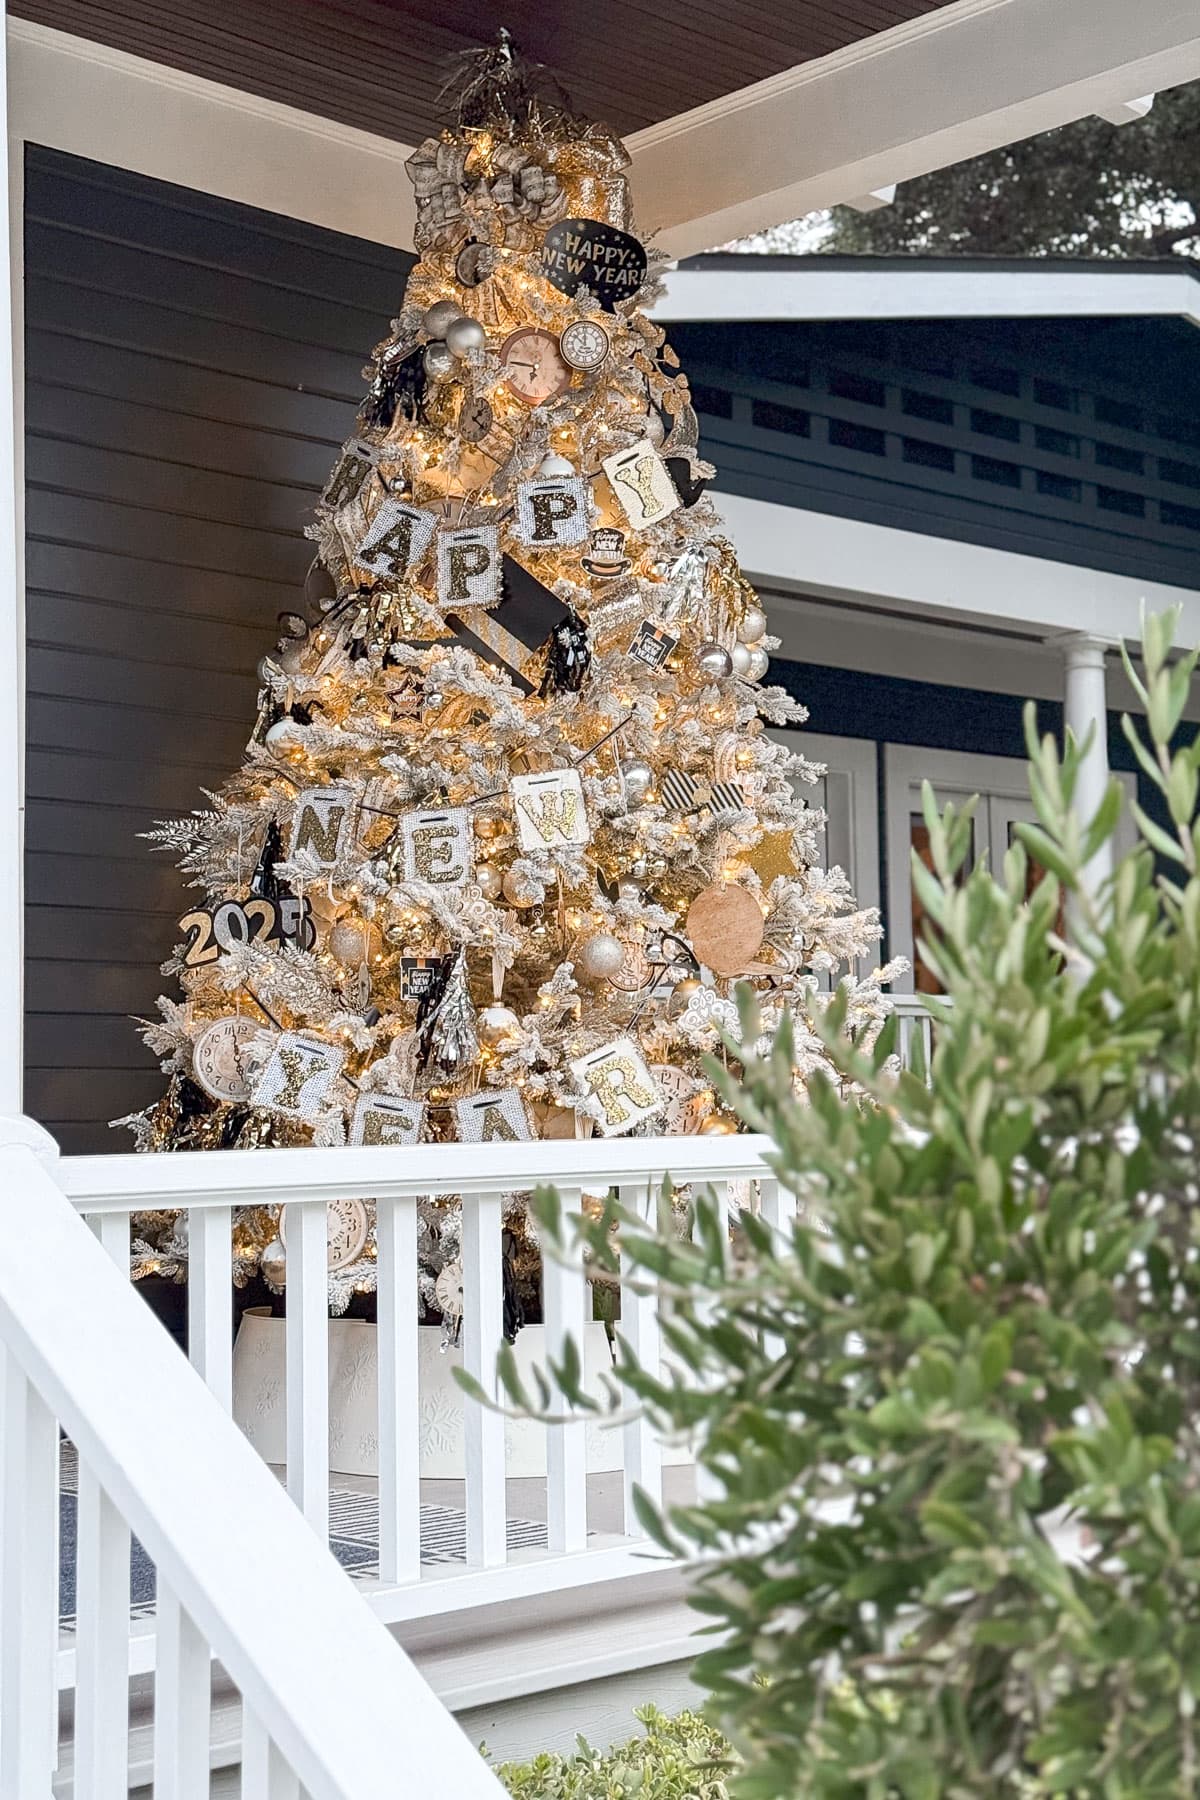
(509, 826)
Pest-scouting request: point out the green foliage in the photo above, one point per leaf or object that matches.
(676, 1759)
(1088, 189)
(955, 1548)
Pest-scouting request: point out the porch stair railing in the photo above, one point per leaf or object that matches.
(332, 1707)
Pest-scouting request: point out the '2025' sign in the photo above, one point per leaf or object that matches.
(213, 930)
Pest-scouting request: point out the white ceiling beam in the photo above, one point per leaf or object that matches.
(957, 82)
(1126, 112)
(823, 289)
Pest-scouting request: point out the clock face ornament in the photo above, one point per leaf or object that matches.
(219, 1060)
(584, 344)
(347, 1227)
(534, 369)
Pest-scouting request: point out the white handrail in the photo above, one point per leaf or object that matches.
(264, 1177)
(319, 1675)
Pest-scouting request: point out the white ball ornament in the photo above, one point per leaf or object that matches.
(600, 956)
(283, 732)
(554, 464)
(741, 655)
(714, 659)
(464, 335)
(753, 625)
(440, 316)
(759, 663)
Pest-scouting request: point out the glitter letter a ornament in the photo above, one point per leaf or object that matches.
(618, 1077)
(494, 1116)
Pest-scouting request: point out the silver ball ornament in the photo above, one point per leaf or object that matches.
(714, 659)
(273, 1263)
(741, 655)
(497, 1023)
(753, 625)
(354, 941)
(599, 956)
(464, 335)
(438, 361)
(487, 877)
(637, 778)
(630, 891)
(440, 316)
(759, 663)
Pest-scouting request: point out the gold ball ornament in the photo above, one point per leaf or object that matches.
(273, 1263)
(497, 1024)
(515, 891)
(487, 877)
(682, 993)
(718, 1125)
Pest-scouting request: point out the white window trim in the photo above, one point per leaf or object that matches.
(955, 775)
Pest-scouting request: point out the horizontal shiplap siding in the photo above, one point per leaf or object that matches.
(191, 367)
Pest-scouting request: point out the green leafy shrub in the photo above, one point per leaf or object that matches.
(677, 1759)
(954, 1420)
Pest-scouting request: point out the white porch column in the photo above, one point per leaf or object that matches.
(12, 644)
(1085, 709)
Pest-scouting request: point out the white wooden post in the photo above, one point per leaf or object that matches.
(483, 1430)
(12, 656)
(307, 1375)
(28, 1591)
(564, 1296)
(640, 1329)
(182, 1702)
(399, 1391)
(1085, 709)
(210, 1298)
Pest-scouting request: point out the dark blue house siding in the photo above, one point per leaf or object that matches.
(1077, 440)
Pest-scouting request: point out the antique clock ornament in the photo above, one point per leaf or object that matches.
(219, 1058)
(534, 370)
(584, 344)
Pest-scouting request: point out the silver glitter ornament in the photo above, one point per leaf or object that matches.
(741, 655)
(464, 335)
(599, 956)
(440, 316)
(438, 361)
(753, 625)
(759, 663)
(714, 659)
(637, 778)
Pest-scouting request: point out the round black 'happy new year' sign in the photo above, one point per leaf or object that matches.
(586, 253)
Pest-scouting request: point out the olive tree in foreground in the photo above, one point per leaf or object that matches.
(956, 1544)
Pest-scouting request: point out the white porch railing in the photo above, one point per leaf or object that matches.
(331, 1707)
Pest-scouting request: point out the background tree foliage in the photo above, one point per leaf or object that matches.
(1089, 189)
(953, 1419)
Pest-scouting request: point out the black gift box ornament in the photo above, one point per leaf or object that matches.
(512, 635)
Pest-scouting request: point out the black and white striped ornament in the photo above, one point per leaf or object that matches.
(684, 793)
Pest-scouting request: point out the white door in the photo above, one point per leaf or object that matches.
(847, 793)
(1002, 785)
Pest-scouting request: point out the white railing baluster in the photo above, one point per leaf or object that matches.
(28, 1592)
(399, 1391)
(708, 1485)
(639, 1327)
(565, 1293)
(265, 1774)
(102, 1645)
(182, 1702)
(483, 1430)
(307, 1373)
(777, 1206)
(210, 1298)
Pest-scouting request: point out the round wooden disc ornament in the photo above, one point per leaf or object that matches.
(725, 928)
(346, 1228)
(219, 1062)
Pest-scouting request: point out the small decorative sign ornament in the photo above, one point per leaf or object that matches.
(549, 809)
(347, 1228)
(652, 644)
(468, 566)
(418, 975)
(497, 1116)
(438, 846)
(220, 1059)
(617, 1076)
(298, 1076)
(398, 537)
(214, 930)
(640, 479)
(552, 511)
(386, 1119)
(606, 558)
(581, 253)
(350, 474)
(321, 824)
